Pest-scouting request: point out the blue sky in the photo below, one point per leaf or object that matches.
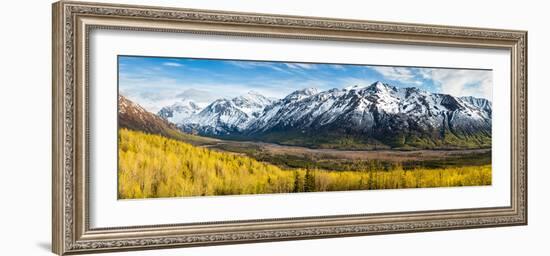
(154, 82)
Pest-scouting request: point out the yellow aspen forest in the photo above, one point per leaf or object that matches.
(153, 166)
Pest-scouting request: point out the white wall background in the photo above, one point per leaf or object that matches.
(25, 140)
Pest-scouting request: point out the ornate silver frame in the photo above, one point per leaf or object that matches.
(72, 22)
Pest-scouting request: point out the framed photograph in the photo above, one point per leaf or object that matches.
(179, 127)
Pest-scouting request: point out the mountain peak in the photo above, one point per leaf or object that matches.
(302, 94)
(378, 86)
(308, 91)
(254, 93)
(179, 111)
(252, 98)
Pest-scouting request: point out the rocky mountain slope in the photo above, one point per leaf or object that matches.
(374, 116)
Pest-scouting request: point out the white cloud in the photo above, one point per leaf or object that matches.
(339, 67)
(172, 64)
(196, 95)
(456, 82)
(300, 66)
(478, 83)
(346, 82)
(153, 95)
(404, 75)
(253, 64)
(152, 102)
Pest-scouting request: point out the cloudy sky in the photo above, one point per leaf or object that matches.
(157, 82)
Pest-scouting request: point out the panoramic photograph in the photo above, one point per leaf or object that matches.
(213, 127)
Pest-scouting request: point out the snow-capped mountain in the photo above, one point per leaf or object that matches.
(361, 108)
(301, 94)
(378, 114)
(179, 111)
(227, 116)
(298, 109)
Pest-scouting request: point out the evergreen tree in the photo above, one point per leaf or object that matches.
(309, 182)
(298, 183)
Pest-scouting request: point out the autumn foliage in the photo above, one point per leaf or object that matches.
(152, 166)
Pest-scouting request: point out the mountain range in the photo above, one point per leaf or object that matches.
(357, 117)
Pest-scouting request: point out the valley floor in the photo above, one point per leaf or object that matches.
(152, 166)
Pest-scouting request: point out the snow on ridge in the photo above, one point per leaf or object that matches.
(179, 111)
(309, 107)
